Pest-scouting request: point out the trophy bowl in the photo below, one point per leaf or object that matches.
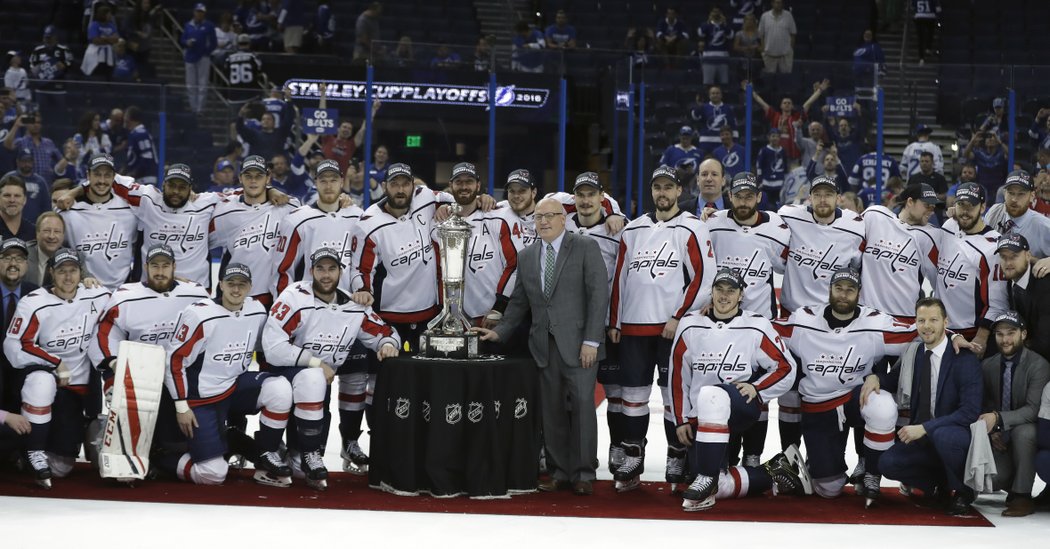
(448, 335)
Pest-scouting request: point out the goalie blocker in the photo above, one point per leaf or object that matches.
(138, 385)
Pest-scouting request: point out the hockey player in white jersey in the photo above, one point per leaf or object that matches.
(208, 378)
(245, 227)
(48, 341)
(723, 366)
(309, 335)
(824, 239)
(754, 244)
(590, 220)
(102, 227)
(664, 269)
(900, 251)
(968, 280)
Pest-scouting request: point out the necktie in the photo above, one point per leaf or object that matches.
(924, 404)
(1008, 378)
(9, 312)
(548, 271)
(710, 205)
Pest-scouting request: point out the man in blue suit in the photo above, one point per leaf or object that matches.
(942, 390)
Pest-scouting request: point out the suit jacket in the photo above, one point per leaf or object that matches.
(577, 308)
(1031, 374)
(689, 204)
(26, 287)
(41, 278)
(959, 388)
(1035, 310)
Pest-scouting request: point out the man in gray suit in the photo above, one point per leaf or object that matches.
(562, 278)
(1013, 386)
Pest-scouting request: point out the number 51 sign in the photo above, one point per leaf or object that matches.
(321, 121)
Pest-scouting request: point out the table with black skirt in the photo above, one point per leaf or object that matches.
(455, 427)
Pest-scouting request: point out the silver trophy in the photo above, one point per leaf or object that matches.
(449, 335)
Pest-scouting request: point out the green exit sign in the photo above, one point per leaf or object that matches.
(413, 141)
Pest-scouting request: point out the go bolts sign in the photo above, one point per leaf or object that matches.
(434, 94)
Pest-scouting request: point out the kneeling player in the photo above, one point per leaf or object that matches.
(309, 335)
(723, 366)
(48, 340)
(209, 379)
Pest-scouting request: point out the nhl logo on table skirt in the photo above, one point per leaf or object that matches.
(453, 413)
(495, 406)
(475, 411)
(521, 408)
(426, 411)
(402, 408)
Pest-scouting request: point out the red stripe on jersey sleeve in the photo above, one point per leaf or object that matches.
(677, 397)
(784, 330)
(783, 365)
(293, 323)
(104, 328)
(510, 255)
(29, 343)
(125, 193)
(899, 338)
(367, 264)
(378, 330)
(178, 359)
(290, 255)
(691, 291)
(982, 291)
(614, 299)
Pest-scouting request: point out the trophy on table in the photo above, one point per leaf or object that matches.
(449, 335)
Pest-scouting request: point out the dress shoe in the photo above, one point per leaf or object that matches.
(959, 504)
(552, 485)
(582, 488)
(1019, 506)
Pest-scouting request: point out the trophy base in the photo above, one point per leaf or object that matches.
(459, 346)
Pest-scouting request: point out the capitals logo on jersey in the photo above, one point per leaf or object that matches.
(344, 247)
(952, 270)
(655, 263)
(753, 267)
(71, 337)
(415, 251)
(727, 364)
(178, 234)
(328, 343)
(817, 259)
(109, 243)
(233, 353)
(262, 234)
(158, 333)
(844, 366)
(896, 254)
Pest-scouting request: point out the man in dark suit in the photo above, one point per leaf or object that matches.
(1013, 386)
(942, 390)
(710, 183)
(1027, 294)
(13, 287)
(563, 280)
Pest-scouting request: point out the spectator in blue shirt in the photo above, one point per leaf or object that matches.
(867, 61)
(223, 178)
(527, 49)
(561, 35)
(124, 69)
(771, 168)
(445, 58)
(142, 154)
(198, 39)
(293, 179)
(989, 155)
(43, 150)
(830, 168)
(102, 36)
(672, 37)
(730, 154)
(711, 117)
(683, 156)
(1040, 130)
(323, 30)
(715, 37)
(290, 21)
(849, 142)
(38, 192)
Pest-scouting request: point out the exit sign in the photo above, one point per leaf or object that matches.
(413, 141)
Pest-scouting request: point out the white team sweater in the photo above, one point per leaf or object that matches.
(104, 235)
(815, 252)
(897, 257)
(308, 229)
(754, 253)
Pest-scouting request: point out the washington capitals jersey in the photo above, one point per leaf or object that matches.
(815, 252)
(897, 258)
(48, 330)
(135, 312)
(104, 235)
(301, 327)
(212, 346)
(522, 227)
(711, 119)
(708, 352)
(403, 251)
(664, 269)
(492, 262)
(833, 361)
(968, 279)
(248, 234)
(608, 243)
(863, 170)
(683, 159)
(307, 229)
(754, 253)
(184, 229)
(732, 159)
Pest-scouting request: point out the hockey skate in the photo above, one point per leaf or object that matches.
(675, 472)
(313, 468)
(856, 478)
(628, 474)
(700, 495)
(271, 470)
(241, 448)
(871, 489)
(41, 467)
(355, 460)
(616, 457)
(789, 473)
(752, 460)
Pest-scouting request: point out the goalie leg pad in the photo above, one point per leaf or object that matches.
(138, 385)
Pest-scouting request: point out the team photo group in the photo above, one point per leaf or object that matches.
(916, 327)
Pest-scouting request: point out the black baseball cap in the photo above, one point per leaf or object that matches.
(665, 171)
(729, 276)
(237, 269)
(325, 253)
(14, 244)
(823, 181)
(99, 160)
(159, 250)
(921, 191)
(1019, 177)
(846, 274)
(64, 255)
(970, 192)
(465, 168)
(328, 166)
(254, 162)
(1009, 317)
(1012, 241)
(178, 171)
(521, 177)
(587, 179)
(743, 181)
(398, 169)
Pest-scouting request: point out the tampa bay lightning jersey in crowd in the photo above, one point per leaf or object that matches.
(732, 159)
(863, 170)
(682, 158)
(710, 119)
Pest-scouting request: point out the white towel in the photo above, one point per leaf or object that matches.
(980, 462)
